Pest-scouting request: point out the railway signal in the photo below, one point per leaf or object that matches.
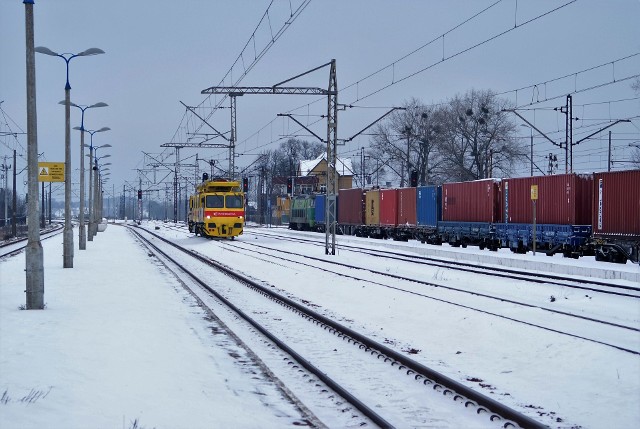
(290, 186)
(414, 178)
(245, 185)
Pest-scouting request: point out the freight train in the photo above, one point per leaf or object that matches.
(574, 214)
(216, 209)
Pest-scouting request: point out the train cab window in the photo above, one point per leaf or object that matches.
(234, 201)
(215, 201)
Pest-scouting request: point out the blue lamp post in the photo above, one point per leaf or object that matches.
(82, 244)
(67, 252)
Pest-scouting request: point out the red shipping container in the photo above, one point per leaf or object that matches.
(351, 206)
(563, 199)
(477, 201)
(616, 203)
(407, 214)
(389, 207)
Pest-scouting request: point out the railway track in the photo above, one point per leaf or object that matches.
(606, 332)
(375, 383)
(589, 285)
(13, 247)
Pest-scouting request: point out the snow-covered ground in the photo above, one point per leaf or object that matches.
(120, 341)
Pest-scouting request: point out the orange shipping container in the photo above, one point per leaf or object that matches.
(372, 207)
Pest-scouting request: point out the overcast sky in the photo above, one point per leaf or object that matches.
(163, 52)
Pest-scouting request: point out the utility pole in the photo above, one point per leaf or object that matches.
(567, 109)
(407, 130)
(332, 128)
(600, 130)
(14, 225)
(553, 163)
(332, 158)
(34, 254)
(5, 175)
(233, 139)
(176, 169)
(570, 116)
(608, 158)
(42, 224)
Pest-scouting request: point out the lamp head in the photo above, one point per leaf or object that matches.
(46, 51)
(91, 51)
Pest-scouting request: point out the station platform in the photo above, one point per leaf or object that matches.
(121, 344)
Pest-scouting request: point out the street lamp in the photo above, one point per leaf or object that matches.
(68, 231)
(103, 174)
(82, 244)
(91, 133)
(93, 214)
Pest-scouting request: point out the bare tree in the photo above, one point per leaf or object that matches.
(429, 161)
(408, 142)
(385, 150)
(479, 138)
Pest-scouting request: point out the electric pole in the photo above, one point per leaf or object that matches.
(34, 254)
(331, 141)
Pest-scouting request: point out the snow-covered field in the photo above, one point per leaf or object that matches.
(120, 340)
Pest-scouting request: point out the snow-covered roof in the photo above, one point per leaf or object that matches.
(344, 167)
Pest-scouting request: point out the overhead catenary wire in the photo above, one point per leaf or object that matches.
(421, 47)
(227, 79)
(294, 13)
(258, 145)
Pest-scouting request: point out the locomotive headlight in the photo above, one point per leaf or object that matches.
(208, 217)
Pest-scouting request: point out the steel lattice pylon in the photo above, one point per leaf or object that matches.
(332, 181)
(332, 133)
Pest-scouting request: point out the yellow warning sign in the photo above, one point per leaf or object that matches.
(51, 172)
(534, 192)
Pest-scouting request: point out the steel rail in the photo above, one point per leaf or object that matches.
(368, 412)
(440, 381)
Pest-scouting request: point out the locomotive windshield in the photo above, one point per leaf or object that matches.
(215, 201)
(218, 201)
(234, 202)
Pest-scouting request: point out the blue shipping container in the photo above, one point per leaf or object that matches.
(320, 208)
(429, 205)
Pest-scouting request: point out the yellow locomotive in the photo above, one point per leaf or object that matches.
(217, 208)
